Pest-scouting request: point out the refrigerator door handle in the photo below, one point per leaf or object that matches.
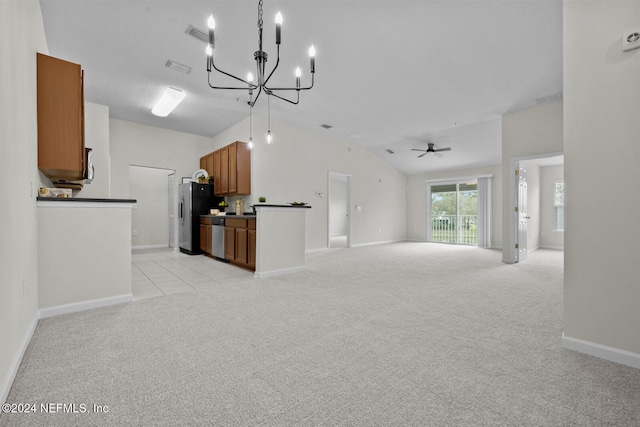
(180, 214)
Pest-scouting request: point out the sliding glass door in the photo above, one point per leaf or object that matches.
(454, 213)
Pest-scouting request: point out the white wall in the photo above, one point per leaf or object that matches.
(141, 145)
(602, 154)
(527, 133)
(96, 137)
(21, 35)
(150, 217)
(549, 237)
(417, 201)
(296, 166)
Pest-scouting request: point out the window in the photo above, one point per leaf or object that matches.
(454, 213)
(558, 204)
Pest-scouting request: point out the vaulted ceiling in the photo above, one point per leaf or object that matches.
(390, 75)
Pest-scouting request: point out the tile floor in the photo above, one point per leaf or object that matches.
(159, 272)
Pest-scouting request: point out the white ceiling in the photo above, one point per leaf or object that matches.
(397, 74)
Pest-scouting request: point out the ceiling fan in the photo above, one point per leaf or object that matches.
(436, 152)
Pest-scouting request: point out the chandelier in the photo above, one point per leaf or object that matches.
(262, 78)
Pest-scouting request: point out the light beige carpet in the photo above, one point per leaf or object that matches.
(400, 334)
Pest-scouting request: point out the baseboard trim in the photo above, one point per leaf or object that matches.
(84, 305)
(384, 242)
(611, 354)
(273, 273)
(13, 370)
(137, 248)
(555, 248)
(314, 251)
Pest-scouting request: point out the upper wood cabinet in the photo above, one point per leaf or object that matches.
(61, 151)
(217, 190)
(224, 170)
(230, 168)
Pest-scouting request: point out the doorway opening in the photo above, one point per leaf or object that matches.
(152, 219)
(536, 200)
(339, 211)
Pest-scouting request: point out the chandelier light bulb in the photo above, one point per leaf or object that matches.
(298, 72)
(250, 143)
(209, 50)
(250, 78)
(211, 23)
(269, 137)
(312, 60)
(278, 27)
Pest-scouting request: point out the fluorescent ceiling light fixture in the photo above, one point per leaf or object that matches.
(167, 102)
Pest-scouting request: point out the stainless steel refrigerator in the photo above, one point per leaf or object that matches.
(194, 200)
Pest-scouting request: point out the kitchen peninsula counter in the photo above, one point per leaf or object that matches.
(84, 253)
(280, 239)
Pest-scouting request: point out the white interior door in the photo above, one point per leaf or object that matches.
(521, 243)
(339, 206)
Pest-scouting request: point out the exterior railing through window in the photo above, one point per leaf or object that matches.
(461, 229)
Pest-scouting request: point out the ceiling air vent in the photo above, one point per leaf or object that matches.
(178, 66)
(390, 151)
(200, 35)
(326, 126)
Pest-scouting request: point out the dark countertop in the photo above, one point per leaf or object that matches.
(229, 216)
(265, 205)
(80, 199)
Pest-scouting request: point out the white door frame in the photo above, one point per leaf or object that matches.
(522, 213)
(330, 175)
(511, 256)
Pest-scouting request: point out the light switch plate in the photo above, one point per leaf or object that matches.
(631, 40)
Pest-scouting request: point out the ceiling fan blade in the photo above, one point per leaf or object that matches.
(438, 154)
(443, 149)
(417, 149)
(423, 154)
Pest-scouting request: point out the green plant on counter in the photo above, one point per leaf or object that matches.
(262, 199)
(223, 204)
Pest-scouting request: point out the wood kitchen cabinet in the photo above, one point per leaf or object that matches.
(239, 241)
(251, 247)
(224, 171)
(216, 173)
(206, 163)
(205, 235)
(60, 89)
(230, 167)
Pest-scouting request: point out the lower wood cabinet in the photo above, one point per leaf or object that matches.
(240, 241)
(205, 235)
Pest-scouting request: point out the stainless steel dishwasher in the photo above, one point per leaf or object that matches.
(217, 236)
